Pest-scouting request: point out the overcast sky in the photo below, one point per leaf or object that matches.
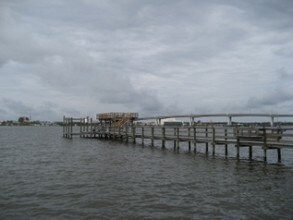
(155, 57)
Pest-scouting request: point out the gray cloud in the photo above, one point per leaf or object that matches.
(278, 98)
(155, 57)
(16, 109)
(271, 99)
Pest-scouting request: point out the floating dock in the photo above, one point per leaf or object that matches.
(129, 127)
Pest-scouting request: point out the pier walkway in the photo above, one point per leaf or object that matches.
(129, 128)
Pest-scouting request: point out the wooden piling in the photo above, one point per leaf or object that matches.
(226, 145)
(279, 155)
(238, 150)
(63, 126)
(175, 139)
(133, 134)
(142, 136)
(207, 144)
(178, 140)
(265, 144)
(153, 136)
(189, 142)
(126, 134)
(87, 126)
(214, 139)
(163, 137)
(194, 139)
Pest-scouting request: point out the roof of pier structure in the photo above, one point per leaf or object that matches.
(117, 115)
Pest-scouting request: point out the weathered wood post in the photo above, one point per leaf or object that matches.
(67, 128)
(279, 149)
(189, 142)
(279, 155)
(174, 138)
(250, 147)
(126, 133)
(142, 135)
(265, 144)
(238, 143)
(194, 138)
(163, 137)
(153, 136)
(100, 130)
(80, 127)
(133, 133)
(110, 131)
(226, 145)
(250, 152)
(87, 126)
(119, 132)
(91, 128)
(207, 142)
(63, 125)
(178, 140)
(113, 129)
(214, 139)
(71, 128)
(84, 127)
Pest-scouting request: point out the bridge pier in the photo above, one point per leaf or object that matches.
(272, 121)
(192, 121)
(229, 120)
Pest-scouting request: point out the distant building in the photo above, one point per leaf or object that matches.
(23, 119)
(164, 120)
(171, 122)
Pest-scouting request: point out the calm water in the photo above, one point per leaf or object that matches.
(44, 176)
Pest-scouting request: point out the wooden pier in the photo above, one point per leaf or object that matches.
(129, 128)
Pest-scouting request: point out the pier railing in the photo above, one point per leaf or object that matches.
(210, 135)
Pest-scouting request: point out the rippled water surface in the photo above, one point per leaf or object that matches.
(44, 176)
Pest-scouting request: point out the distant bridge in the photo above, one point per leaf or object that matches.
(228, 116)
